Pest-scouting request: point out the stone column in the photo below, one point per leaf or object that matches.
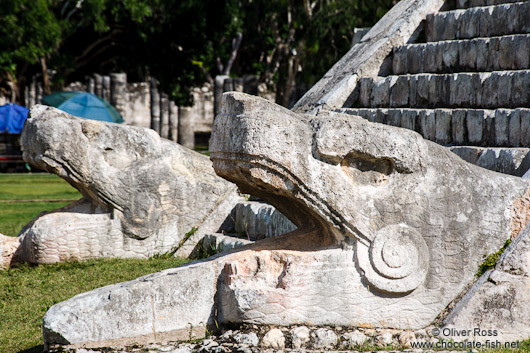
(185, 127)
(155, 106)
(228, 85)
(98, 85)
(164, 116)
(250, 84)
(38, 93)
(218, 91)
(118, 92)
(105, 92)
(173, 122)
(91, 85)
(237, 84)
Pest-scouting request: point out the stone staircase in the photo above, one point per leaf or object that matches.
(466, 83)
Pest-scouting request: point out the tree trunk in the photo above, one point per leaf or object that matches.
(45, 78)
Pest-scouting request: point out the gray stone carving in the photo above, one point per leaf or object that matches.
(391, 229)
(141, 193)
(498, 302)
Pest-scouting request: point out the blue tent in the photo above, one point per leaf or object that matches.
(12, 117)
(83, 104)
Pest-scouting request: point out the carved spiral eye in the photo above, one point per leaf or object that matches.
(397, 260)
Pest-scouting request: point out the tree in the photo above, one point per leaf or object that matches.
(290, 41)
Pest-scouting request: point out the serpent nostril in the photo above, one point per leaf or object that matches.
(360, 168)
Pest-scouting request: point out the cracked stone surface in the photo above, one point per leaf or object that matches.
(141, 193)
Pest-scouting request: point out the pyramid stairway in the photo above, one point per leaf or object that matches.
(466, 84)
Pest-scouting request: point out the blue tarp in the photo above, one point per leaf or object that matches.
(12, 117)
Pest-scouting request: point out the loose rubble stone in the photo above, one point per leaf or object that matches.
(324, 338)
(300, 336)
(384, 339)
(141, 194)
(354, 339)
(405, 338)
(274, 339)
(250, 339)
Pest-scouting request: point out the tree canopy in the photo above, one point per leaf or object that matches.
(182, 43)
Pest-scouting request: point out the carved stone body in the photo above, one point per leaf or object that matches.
(141, 193)
(391, 229)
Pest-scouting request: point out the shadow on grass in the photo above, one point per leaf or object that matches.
(36, 349)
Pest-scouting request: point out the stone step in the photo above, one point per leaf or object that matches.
(513, 161)
(473, 55)
(217, 242)
(464, 4)
(478, 127)
(486, 90)
(478, 22)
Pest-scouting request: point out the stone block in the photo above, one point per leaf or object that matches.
(394, 117)
(163, 306)
(524, 116)
(399, 60)
(408, 119)
(365, 91)
(489, 90)
(399, 92)
(380, 94)
(432, 57)
(475, 123)
(501, 127)
(459, 126)
(427, 124)
(443, 126)
(259, 220)
(514, 129)
(461, 90)
(422, 90)
(450, 55)
(522, 52)
(504, 86)
(482, 51)
(520, 94)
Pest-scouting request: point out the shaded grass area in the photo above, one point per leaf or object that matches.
(40, 189)
(27, 292)
(36, 187)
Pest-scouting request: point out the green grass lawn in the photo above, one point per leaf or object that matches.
(41, 192)
(27, 292)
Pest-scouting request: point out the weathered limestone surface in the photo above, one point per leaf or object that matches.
(391, 201)
(258, 220)
(141, 193)
(385, 237)
(499, 300)
(155, 308)
(365, 59)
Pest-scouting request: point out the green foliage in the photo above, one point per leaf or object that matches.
(179, 42)
(28, 31)
(491, 259)
(27, 292)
